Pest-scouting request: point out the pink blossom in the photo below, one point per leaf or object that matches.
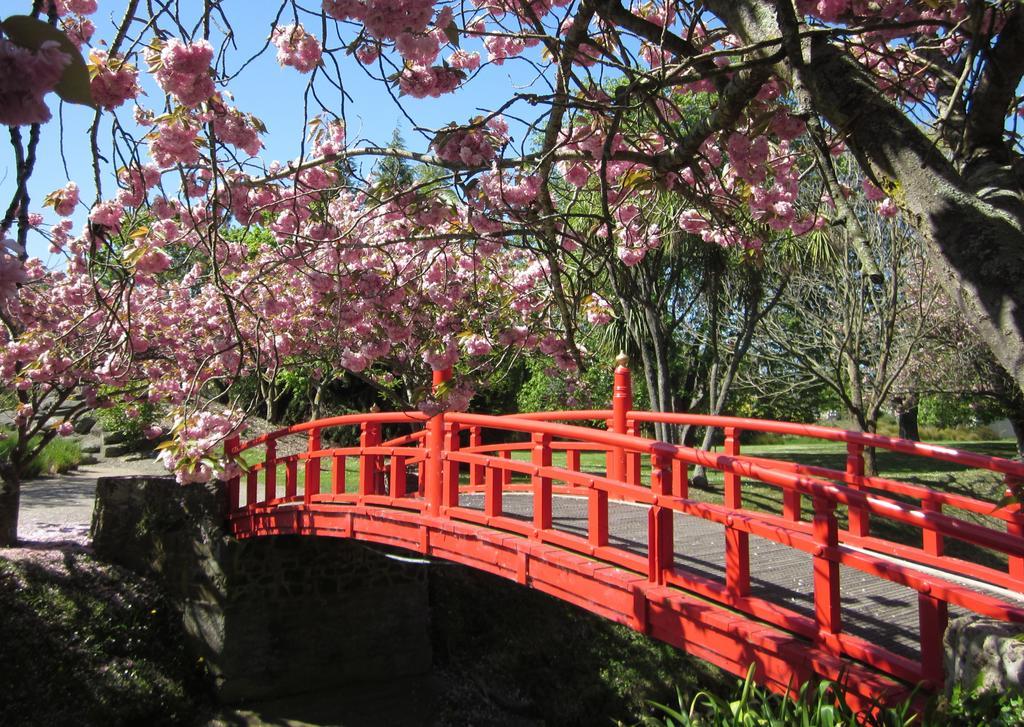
(78, 30)
(385, 19)
(418, 48)
(464, 60)
(888, 208)
(344, 9)
(65, 429)
(174, 143)
(871, 192)
(108, 214)
(25, 77)
(239, 130)
(183, 70)
(64, 200)
(81, 7)
(422, 82)
(296, 48)
(476, 345)
(114, 81)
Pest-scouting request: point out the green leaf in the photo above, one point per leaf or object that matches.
(452, 34)
(31, 33)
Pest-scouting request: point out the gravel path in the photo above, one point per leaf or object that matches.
(58, 509)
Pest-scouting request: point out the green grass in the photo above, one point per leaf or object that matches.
(59, 455)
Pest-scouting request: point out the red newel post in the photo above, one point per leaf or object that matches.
(826, 572)
(737, 542)
(858, 516)
(660, 545)
(291, 477)
(230, 450)
(933, 617)
(541, 484)
(311, 479)
(369, 464)
(492, 491)
(398, 475)
(434, 488)
(338, 474)
(622, 402)
(931, 539)
(251, 478)
(270, 471)
(1015, 523)
(476, 471)
(450, 468)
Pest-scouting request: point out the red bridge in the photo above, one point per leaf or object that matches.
(809, 582)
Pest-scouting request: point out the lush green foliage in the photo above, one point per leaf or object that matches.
(129, 421)
(990, 708)
(821, 705)
(59, 455)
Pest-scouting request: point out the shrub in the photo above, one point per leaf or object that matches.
(59, 455)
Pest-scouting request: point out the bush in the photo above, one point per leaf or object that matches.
(821, 704)
(59, 455)
(129, 421)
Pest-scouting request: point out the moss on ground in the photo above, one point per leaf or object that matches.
(87, 643)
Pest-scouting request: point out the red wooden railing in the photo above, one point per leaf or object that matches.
(429, 515)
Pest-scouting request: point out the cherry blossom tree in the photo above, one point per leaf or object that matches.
(174, 296)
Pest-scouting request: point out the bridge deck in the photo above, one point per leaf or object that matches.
(874, 609)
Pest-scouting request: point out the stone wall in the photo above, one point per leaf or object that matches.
(984, 655)
(275, 616)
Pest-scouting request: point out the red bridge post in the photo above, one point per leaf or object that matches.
(737, 542)
(311, 478)
(622, 402)
(434, 487)
(826, 573)
(230, 450)
(270, 471)
(476, 471)
(1015, 523)
(450, 468)
(660, 544)
(858, 516)
(369, 464)
(541, 457)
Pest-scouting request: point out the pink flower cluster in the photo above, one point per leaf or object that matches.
(80, 7)
(238, 129)
(195, 438)
(113, 80)
(432, 82)
(183, 70)
(25, 77)
(64, 200)
(296, 47)
(472, 147)
(174, 142)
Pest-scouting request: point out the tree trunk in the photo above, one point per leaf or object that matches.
(1017, 422)
(908, 424)
(972, 221)
(10, 502)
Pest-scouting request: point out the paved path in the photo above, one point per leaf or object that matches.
(59, 508)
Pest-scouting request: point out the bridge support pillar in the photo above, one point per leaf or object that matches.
(271, 617)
